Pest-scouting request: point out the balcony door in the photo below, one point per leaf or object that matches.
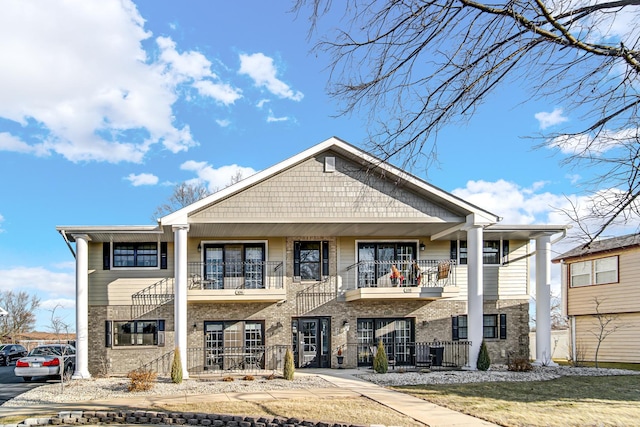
(234, 266)
(375, 260)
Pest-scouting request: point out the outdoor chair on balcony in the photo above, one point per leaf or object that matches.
(424, 357)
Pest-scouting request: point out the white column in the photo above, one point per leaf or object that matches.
(180, 291)
(475, 296)
(543, 301)
(82, 307)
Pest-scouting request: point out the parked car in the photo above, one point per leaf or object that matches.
(11, 352)
(47, 360)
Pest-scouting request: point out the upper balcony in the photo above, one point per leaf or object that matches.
(402, 279)
(229, 281)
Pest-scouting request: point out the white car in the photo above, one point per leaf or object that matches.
(47, 360)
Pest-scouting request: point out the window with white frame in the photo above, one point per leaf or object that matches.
(493, 252)
(594, 272)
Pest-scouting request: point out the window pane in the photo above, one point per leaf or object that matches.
(581, 273)
(491, 252)
(310, 260)
(606, 270)
(123, 255)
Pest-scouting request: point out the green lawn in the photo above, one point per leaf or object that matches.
(567, 401)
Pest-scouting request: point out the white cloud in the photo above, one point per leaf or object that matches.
(262, 102)
(58, 303)
(271, 118)
(223, 123)
(1, 221)
(215, 179)
(55, 284)
(263, 72)
(550, 119)
(142, 179)
(221, 92)
(514, 203)
(79, 72)
(597, 146)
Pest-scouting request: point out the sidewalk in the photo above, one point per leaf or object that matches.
(347, 385)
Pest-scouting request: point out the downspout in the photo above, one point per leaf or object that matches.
(64, 236)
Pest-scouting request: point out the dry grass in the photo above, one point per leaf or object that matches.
(567, 401)
(360, 411)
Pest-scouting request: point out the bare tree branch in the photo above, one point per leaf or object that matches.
(417, 66)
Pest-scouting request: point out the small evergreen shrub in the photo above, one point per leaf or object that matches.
(141, 379)
(176, 367)
(289, 368)
(484, 362)
(380, 361)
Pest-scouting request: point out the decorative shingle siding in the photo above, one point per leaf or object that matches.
(306, 191)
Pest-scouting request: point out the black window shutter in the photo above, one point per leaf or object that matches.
(505, 251)
(503, 326)
(106, 256)
(296, 259)
(161, 338)
(453, 253)
(163, 255)
(108, 333)
(325, 258)
(454, 328)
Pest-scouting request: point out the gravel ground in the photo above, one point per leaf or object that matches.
(110, 388)
(495, 374)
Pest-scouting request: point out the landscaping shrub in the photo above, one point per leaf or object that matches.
(248, 378)
(380, 361)
(141, 379)
(484, 362)
(228, 379)
(289, 368)
(519, 364)
(176, 367)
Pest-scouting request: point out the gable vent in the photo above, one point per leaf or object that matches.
(329, 164)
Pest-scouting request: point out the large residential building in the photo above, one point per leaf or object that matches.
(326, 253)
(601, 295)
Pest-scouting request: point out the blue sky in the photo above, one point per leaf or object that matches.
(107, 105)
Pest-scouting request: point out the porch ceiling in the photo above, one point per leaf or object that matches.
(355, 229)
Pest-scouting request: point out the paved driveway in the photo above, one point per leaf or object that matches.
(11, 386)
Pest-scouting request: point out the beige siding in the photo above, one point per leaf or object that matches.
(513, 278)
(623, 345)
(621, 297)
(116, 286)
(306, 191)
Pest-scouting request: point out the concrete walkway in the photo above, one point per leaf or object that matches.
(347, 385)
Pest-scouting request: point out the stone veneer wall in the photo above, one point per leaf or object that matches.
(432, 323)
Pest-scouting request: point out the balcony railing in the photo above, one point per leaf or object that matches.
(402, 273)
(236, 275)
(225, 359)
(439, 354)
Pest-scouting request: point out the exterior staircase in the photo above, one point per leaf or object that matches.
(152, 297)
(315, 295)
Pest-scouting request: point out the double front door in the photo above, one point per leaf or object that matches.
(311, 342)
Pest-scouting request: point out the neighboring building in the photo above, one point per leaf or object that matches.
(301, 256)
(603, 281)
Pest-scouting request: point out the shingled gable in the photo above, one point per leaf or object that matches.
(367, 188)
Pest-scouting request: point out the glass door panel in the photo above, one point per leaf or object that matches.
(254, 267)
(213, 267)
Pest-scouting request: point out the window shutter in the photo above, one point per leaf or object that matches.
(325, 258)
(503, 326)
(453, 253)
(108, 333)
(106, 256)
(505, 251)
(454, 328)
(296, 260)
(161, 339)
(163, 255)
